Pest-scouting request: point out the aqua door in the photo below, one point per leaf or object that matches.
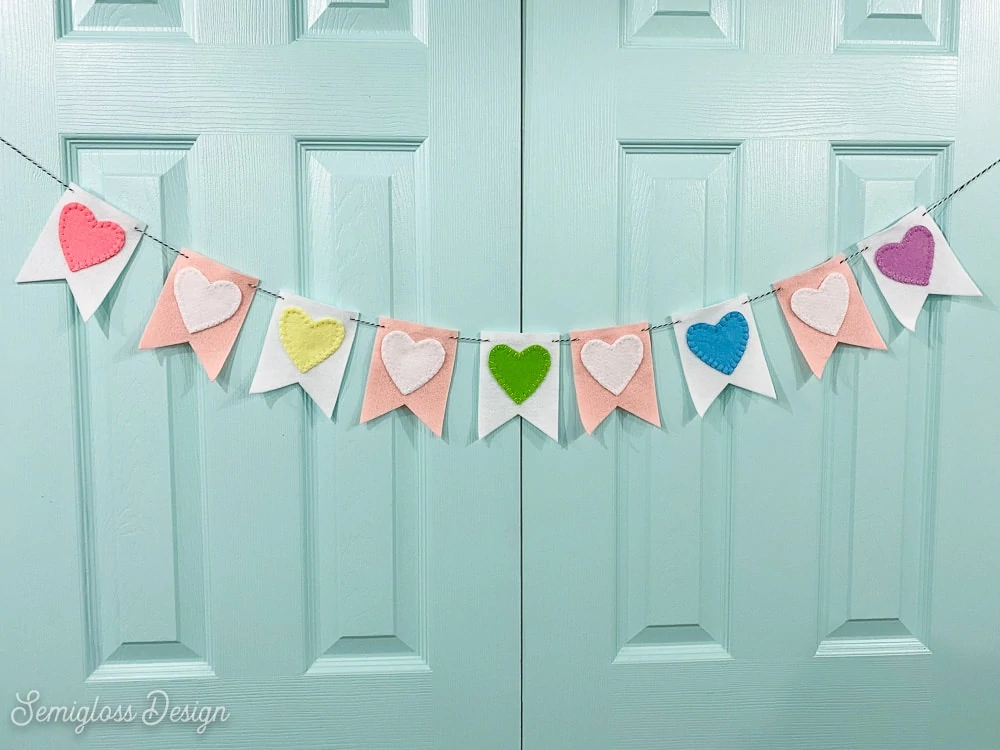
(332, 585)
(812, 572)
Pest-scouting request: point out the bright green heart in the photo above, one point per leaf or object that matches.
(519, 373)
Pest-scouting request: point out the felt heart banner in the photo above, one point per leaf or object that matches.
(912, 259)
(519, 376)
(204, 304)
(613, 367)
(411, 366)
(88, 243)
(823, 307)
(720, 346)
(308, 343)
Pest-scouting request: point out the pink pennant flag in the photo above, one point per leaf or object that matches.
(204, 304)
(614, 367)
(824, 307)
(411, 366)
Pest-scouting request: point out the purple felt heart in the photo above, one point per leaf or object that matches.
(909, 261)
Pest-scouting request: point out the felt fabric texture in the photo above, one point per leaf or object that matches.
(638, 396)
(856, 327)
(84, 240)
(86, 261)
(720, 346)
(613, 365)
(516, 358)
(519, 373)
(307, 341)
(166, 327)
(910, 260)
(410, 364)
(824, 308)
(296, 319)
(705, 382)
(203, 303)
(905, 255)
(429, 400)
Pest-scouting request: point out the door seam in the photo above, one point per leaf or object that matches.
(520, 451)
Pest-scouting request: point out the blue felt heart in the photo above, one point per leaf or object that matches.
(720, 346)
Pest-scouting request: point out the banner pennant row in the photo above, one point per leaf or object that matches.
(88, 243)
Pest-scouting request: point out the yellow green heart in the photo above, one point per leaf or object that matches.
(519, 373)
(308, 342)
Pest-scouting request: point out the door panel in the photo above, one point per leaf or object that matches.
(790, 573)
(331, 584)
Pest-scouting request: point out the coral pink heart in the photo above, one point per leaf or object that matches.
(909, 261)
(85, 241)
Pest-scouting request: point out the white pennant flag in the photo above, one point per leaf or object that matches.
(88, 243)
(307, 343)
(912, 259)
(720, 346)
(519, 376)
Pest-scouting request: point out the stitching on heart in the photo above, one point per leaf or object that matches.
(185, 311)
(832, 297)
(396, 364)
(518, 392)
(304, 351)
(71, 245)
(909, 261)
(710, 354)
(614, 376)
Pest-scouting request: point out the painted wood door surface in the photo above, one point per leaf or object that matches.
(812, 572)
(333, 585)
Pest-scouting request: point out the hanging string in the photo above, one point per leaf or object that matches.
(32, 162)
(762, 296)
(258, 288)
(854, 255)
(470, 339)
(171, 248)
(658, 326)
(960, 188)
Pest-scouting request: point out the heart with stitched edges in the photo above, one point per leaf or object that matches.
(202, 303)
(910, 261)
(308, 342)
(613, 365)
(720, 346)
(519, 373)
(84, 240)
(411, 364)
(823, 309)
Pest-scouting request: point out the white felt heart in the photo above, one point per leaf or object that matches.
(410, 364)
(613, 365)
(825, 308)
(202, 303)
